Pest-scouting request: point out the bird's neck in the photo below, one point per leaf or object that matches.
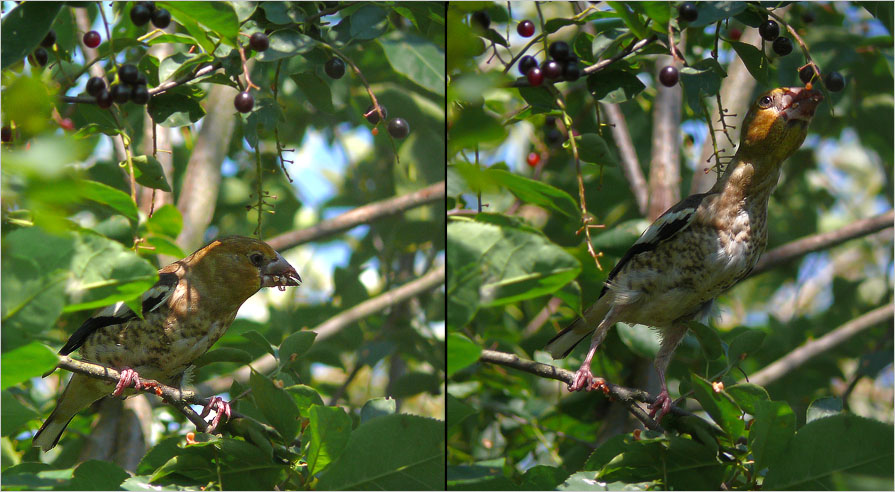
(748, 181)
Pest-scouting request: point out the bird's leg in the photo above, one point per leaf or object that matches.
(671, 337)
(128, 376)
(584, 379)
(221, 407)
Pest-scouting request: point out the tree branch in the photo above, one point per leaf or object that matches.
(629, 162)
(360, 215)
(817, 242)
(813, 348)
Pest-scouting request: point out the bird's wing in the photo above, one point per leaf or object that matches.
(119, 313)
(675, 220)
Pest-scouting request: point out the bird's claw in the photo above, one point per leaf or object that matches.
(662, 405)
(220, 407)
(128, 376)
(585, 380)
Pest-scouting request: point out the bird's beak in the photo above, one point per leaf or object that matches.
(799, 103)
(279, 274)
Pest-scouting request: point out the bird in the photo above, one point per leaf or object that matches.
(700, 247)
(190, 307)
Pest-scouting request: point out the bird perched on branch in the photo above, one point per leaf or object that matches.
(190, 307)
(701, 246)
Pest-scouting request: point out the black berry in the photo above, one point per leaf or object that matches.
(141, 79)
(140, 95)
(95, 85)
(120, 93)
(259, 42)
(91, 39)
(244, 102)
(782, 46)
(128, 73)
(687, 11)
(769, 30)
(140, 14)
(559, 50)
(6, 134)
(49, 40)
(104, 99)
(161, 18)
(41, 56)
(481, 20)
(806, 74)
(668, 76)
(535, 77)
(149, 5)
(834, 82)
(571, 71)
(335, 68)
(526, 63)
(551, 69)
(373, 115)
(554, 136)
(398, 128)
(526, 28)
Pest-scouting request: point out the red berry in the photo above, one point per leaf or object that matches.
(259, 42)
(66, 124)
(533, 159)
(668, 76)
(535, 77)
(526, 28)
(244, 102)
(91, 39)
(398, 128)
(735, 34)
(551, 69)
(375, 131)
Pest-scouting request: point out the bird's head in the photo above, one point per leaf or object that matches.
(777, 123)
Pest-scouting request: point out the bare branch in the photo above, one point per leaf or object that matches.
(813, 348)
(665, 173)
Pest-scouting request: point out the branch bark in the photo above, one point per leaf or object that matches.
(813, 348)
(629, 162)
(665, 173)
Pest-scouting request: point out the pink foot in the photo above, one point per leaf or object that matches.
(220, 407)
(662, 405)
(583, 379)
(128, 377)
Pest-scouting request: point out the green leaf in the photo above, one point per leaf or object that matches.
(214, 16)
(631, 19)
(553, 25)
(747, 342)
(149, 173)
(166, 221)
(330, 428)
(223, 354)
(700, 80)
(592, 148)
(708, 340)
(304, 396)
(295, 345)
(457, 411)
(394, 452)
(711, 12)
(416, 58)
(823, 407)
(285, 43)
(97, 475)
(754, 60)
(105, 194)
(24, 27)
(368, 22)
(838, 444)
(316, 91)
(15, 415)
(538, 98)
(474, 126)
(614, 86)
(276, 405)
(534, 192)
(164, 246)
(771, 431)
(377, 407)
(255, 337)
(720, 406)
(282, 12)
(175, 108)
(461, 353)
(495, 37)
(26, 362)
(747, 396)
(641, 339)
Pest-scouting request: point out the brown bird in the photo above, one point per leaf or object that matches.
(190, 307)
(701, 246)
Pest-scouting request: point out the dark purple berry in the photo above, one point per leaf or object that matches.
(140, 95)
(559, 50)
(120, 93)
(41, 56)
(141, 79)
(687, 12)
(49, 40)
(769, 30)
(481, 20)
(535, 77)
(571, 71)
(668, 76)
(140, 14)
(551, 69)
(550, 121)
(259, 41)
(806, 74)
(335, 68)
(92, 39)
(398, 128)
(526, 28)
(6, 134)
(782, 46)
(161, 18)
(95, 85)
(834, 82)
(554, 136)
(104, 99)
(149, 5)
(128, 73)
(526, 63)
(244, 102)
(373, 115)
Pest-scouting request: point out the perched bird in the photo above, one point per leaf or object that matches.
(190, 307)
(701, 246)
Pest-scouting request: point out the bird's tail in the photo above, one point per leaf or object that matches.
(562, 344)
(78, 395)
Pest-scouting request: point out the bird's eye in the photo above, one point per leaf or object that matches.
(765, 101)
(256, 258)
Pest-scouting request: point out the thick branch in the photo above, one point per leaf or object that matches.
(665, 173)
(813, 348)
(817, 242)
(332, 326)
(360, 215)
(629, 162)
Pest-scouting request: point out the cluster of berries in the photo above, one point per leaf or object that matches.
(562, 64)
(144, 12)
(131, 86)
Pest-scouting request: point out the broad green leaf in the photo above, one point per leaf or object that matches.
(24, 27)
(285, 43)
(720, 406)
(295, 345)
(747, 396)
(368, 22)
(377, 407)
(24, 363)
(114, 198)
(330, 428)
(771, 431)
(457, 411)
(277, 405)
(461, 353)
(700, 80)
(175, 108)
(223, 354)
(708, 340)
(641, 339)
(316, 91)
(631, 19)
(15, 415)
(166, 221)
(534, 192)
(745, 343)
(97, 475)
(614, 86)
(214, 16)
(416, 58)
(474, 126)
(823, 407)
(592, 148)
(304, 396)
(149, 173)
(754, 60)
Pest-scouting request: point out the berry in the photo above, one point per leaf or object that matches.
(533, 159)
(551, 69)
(92, 39)
(67, 124)
(398, 128)
(834, 81)
(140, 95)
(535, 77)
(559, 50)
(161, 18)
(735, 34)
(128, 73)
(806, 74)
(769, 30)
(571, 71)
(140, 14)
(149, 5)
(554, 136)
(259, 42)
(6, 134)
(335, 68)
(373, 115)
(687, 12)
(120, 93)
(526, 63)
(141, 79)
(104, 99)
(481, 20)
(95, 85)
(375, 131)
(41, 56)
(782, 46)
(526, 28)
(49, 40)
(550, 121)
(244, 102)
(668, 76)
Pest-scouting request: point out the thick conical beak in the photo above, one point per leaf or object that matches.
(800, 103)
(279, 274)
